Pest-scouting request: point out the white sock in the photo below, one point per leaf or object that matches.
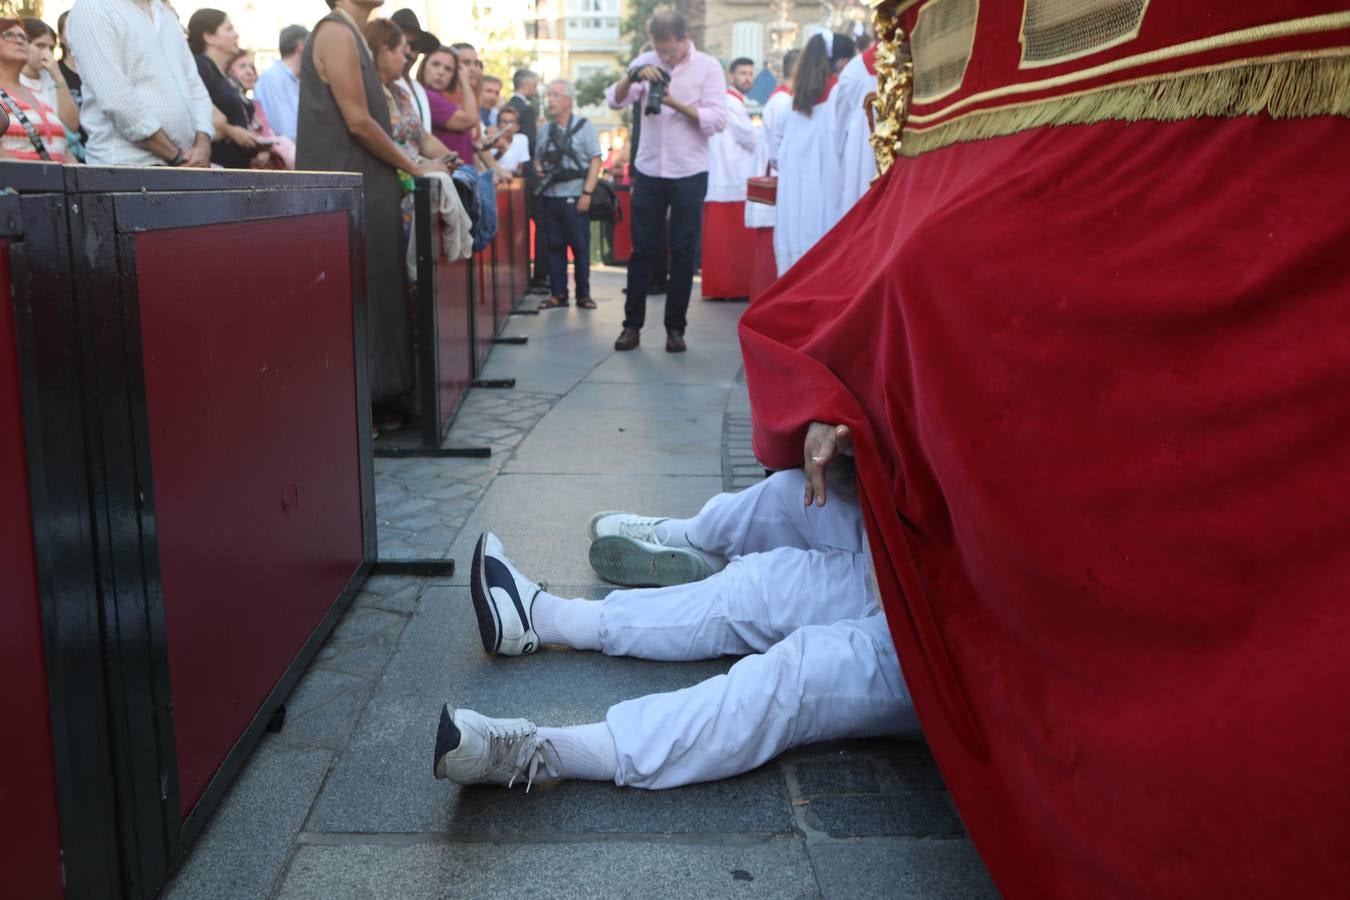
(584, 751)
(575, 623)
(675, 533)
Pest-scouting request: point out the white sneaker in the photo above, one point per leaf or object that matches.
(474, 749)
(624, 524)
(635, 563)
(502, 600)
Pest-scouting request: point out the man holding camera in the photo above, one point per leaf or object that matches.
(568, 164)
(683, 97)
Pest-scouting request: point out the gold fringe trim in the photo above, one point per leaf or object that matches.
(1283, 88)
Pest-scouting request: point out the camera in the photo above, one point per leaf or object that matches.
(656, 91)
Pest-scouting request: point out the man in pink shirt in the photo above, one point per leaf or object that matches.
(670, 173)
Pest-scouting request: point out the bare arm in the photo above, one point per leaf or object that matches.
(466, 117)
(66, 110)
(337, 48)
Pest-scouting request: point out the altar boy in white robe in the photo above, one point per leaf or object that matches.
(858, 163)
(726, 241)
(759, 217)
(809, 182)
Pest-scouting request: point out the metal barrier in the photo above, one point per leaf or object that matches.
(445, 354)
(191, 364)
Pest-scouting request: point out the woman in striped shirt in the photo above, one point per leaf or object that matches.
(44, 137)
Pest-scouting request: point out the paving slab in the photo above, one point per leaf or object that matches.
(384, 783)
(776, 869)
(542, 518)
(901, 869)
(247, 841)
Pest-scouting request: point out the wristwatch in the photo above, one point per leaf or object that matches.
(178, 158)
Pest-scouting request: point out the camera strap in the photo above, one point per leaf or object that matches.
(566, 150)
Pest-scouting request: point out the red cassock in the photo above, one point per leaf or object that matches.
(727, 249)
(1096, 357)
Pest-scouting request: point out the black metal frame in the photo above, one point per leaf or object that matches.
(51, 373)
(92, 494)
(432, 430)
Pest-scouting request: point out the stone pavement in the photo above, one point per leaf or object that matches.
(342, 802)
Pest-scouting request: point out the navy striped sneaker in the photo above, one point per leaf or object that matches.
(502, 600)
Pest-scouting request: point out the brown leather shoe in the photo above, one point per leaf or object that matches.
(674, 341)
(629, 338)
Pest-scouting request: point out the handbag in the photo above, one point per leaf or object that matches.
(762, 188)
(604, 204)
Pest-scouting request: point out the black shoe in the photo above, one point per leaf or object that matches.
(674, 340)
(629, 339)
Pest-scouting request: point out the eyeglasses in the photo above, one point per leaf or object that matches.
(14, 37)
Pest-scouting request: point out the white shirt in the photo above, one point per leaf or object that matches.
(731, 154)
(43, 87)
(516, 154)
(278, 93)
(138, 77)
(419, 95)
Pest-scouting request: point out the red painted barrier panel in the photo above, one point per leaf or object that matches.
(502, 289)
(251, 399)
(623, 237)
(29, 829)
(454, 335)
(520, 247)
(484, 315)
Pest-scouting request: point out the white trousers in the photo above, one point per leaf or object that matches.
(797, 593)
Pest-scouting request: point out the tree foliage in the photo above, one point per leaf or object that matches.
(591, 89)
(11, 9)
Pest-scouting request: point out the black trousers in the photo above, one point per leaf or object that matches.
(653, 200)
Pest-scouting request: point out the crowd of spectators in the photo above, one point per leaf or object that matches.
(133, 84)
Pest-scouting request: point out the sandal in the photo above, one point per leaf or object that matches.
(553, 303)
(585, 303)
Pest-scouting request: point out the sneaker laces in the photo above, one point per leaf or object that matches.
(516, 749)
(641, 528)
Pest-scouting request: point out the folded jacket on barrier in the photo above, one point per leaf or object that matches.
(456, 227)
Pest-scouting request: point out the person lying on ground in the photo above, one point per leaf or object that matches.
(771, 573)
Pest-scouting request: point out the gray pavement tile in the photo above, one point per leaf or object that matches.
(648, 441)
(710, 399)
(778, 869)
(542, 518)
(902, 869)
(362, 642)
(920, 813)
(383, 782)
(837, 777)
(401, 600)
(246, 843)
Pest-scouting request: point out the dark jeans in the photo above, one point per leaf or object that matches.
(652, 198)
(567, 228)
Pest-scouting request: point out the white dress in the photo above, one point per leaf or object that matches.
(730, 154)
(776, 111)
(809, 181)
(858, 163)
